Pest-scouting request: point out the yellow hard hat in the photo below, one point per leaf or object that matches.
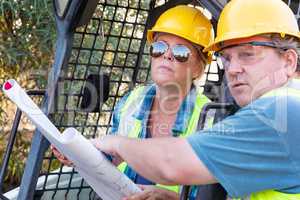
(246, 18)
(186, 22)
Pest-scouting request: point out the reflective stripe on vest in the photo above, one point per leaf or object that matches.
(272, 194)
(283, 91)
(128, 126)
(134, 126)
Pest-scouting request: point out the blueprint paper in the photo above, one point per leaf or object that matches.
(106, 180)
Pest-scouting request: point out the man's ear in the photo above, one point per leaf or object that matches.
(291, 58)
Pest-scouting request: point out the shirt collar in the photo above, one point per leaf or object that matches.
(294, 83)
(183, 115)
(185, 112)
(144, 111)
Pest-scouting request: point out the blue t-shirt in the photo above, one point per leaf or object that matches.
(257, 148)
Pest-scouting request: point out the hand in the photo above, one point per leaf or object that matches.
(109, 144)
(117, 160)
(151, 192)
(64, 160)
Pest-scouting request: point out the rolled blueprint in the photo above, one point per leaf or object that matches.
(106, 180)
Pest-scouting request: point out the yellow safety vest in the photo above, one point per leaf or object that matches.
(133, 127)
(273, 194)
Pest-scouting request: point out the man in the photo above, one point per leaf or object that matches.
(254, 153)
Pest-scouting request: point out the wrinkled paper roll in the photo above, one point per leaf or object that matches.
(106, 180)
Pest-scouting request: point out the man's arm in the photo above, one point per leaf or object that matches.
(162, 160)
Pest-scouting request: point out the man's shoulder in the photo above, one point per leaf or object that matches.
(275, 99)
(275, 112)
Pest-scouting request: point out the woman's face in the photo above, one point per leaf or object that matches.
(167, 70)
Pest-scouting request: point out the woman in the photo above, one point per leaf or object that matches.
(170, 106)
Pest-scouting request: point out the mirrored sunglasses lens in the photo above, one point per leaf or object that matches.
(181, 53)
(158, 48)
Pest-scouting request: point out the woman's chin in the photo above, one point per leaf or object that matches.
(169, 83)
(163, 79)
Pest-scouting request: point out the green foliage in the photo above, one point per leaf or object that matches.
(27, 35)
(17, 159)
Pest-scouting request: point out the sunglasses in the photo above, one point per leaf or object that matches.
(179, 51)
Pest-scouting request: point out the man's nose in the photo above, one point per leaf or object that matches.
(234, 67)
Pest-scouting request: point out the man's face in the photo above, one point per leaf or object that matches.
(252, 71)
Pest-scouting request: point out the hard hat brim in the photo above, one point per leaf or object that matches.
(217, 45)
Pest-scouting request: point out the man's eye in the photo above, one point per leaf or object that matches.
(226, 58)
(246, 54)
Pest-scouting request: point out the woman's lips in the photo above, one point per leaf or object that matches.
(165, 68)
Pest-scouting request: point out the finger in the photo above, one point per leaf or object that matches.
(155, 197)
(56, 153)
(95, 142)
(64, 160)
(69, 163)
(54, 149)
(140, 196)
(145, 187)
(116, 161)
